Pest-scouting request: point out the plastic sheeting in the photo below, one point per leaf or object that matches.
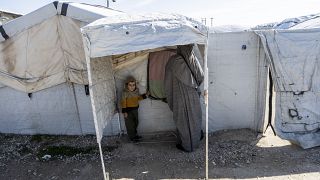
(131, 33)
(312, 22)
(294, 58)
(296, 22)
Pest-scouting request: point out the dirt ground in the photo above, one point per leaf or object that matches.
(233, 154)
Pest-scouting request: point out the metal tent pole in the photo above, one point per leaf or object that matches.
(105, 174)
(206, 87)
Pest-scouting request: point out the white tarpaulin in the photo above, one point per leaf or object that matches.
(132, 33)
(44, 48)
(238, 81)
(294, 56)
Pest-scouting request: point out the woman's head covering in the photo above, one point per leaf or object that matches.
(186, 51)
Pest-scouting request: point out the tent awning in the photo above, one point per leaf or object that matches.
(131, 33)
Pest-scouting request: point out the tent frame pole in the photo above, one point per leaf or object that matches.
(206, 95)
(77, 107)
(105, 174)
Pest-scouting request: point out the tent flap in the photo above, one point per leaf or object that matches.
(103, 93)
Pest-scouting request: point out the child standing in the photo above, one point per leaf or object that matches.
(130, 104)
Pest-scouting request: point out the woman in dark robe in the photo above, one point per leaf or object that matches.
(183, 77)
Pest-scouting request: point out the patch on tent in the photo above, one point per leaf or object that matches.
(299, 112)
(156, 71)
(64, 9)
(3, 33)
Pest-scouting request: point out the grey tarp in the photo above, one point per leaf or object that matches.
(295, 66)
(182, 78)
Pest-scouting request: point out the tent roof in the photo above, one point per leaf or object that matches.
(131, 33)
(45, 48)
(82, 12)
(228, 28)
(313, 22)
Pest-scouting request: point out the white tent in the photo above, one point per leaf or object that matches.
(42, 53)
(108, 39)
(44, 48)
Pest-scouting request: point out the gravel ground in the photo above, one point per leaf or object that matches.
(233, 154)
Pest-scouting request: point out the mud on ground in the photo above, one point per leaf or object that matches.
(233, 154)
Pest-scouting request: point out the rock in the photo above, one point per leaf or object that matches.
(76, 170)
(2, 164)
(54, 177)
(46, 157)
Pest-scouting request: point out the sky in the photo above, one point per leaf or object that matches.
(247, 13)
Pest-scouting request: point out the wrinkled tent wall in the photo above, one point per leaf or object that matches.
(43, 54)
(294, 58)
(237, 81)
(44, 48)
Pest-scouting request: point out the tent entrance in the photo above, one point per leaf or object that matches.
(123, 34)
(108, 75)
(154, 115)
